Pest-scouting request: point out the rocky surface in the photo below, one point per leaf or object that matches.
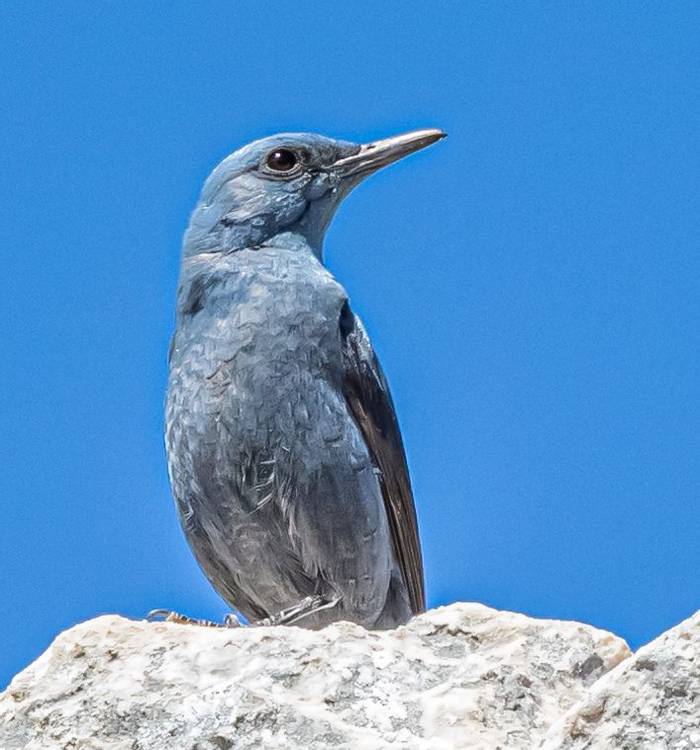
(463, 676)
(649, 702)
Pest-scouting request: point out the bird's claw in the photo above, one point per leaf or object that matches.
(167, 615)
(308, 606)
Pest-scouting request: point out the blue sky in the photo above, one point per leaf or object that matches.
(531, 284)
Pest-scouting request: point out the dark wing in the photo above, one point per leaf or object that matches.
(367, 394)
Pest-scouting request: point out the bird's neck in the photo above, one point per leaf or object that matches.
(205, 267)
(295, 242)
(228, 244)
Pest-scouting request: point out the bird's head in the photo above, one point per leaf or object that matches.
(292, 182)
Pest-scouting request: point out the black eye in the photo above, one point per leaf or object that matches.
(282, 160)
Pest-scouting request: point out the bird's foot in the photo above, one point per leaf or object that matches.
(167, 615)
(308, 606)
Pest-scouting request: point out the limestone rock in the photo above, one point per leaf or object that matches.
(649, 702)
(463, 676)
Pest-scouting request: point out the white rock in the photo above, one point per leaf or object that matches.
(463, 676)
(649, 702)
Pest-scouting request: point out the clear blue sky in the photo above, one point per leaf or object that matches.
(531, 284)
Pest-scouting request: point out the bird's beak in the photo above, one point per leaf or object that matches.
(374, 156)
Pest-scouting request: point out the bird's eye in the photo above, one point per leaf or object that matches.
(281, 160)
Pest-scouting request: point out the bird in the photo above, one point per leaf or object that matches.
(285, 456)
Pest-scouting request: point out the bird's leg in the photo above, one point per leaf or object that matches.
(167, 615)
(308, 606)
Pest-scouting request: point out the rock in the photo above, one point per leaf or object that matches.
(463, 676)
(649, 702)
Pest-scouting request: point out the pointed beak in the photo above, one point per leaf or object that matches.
(374, 156)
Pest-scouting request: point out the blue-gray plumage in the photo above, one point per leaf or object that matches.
(284, 452)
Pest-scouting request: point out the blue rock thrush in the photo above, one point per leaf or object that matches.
(284, 452)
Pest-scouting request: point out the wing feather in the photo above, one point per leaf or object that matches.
(368, 397)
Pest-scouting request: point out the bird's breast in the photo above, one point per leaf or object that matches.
(259, 354)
